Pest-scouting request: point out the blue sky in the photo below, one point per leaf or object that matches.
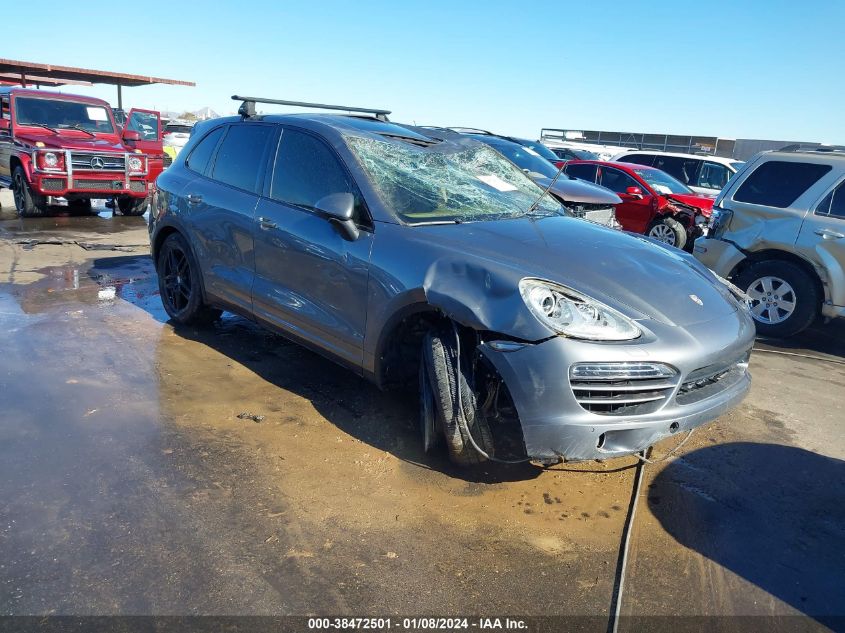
(732, 68)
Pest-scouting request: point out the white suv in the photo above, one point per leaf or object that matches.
(778, 232)
(703, 174)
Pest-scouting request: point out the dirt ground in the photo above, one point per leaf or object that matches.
(147, 469)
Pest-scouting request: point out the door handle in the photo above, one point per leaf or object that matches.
(193, 198)
(267, 224)
(829, 235)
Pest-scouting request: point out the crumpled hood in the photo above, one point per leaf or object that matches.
(635, 275)
(704, 203)
(580, 191)
(76, 140)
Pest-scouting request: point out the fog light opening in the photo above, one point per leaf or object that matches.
(600, 443)
(674, 427)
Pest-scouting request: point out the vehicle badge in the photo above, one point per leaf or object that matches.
(696, 299)
(97, 163)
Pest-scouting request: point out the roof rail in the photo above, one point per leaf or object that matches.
(470, 130)
(797, 147)
(247, 108)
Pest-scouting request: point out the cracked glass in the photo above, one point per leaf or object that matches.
(448, 181)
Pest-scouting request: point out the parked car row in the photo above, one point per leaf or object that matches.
(424, 258)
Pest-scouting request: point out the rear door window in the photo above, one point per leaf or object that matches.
(241, 156)
(779, 183)
(198, 160)
(583, 171)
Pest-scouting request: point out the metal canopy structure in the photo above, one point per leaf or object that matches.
(14, 71)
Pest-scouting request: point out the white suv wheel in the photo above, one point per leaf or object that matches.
(772, 300)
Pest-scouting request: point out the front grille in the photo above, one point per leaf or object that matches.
(97, 185)
(137, 185)
(622, 388)
(708, 381)
(52, 184)
(110, 162)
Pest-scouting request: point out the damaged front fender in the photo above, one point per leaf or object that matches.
(482, 298)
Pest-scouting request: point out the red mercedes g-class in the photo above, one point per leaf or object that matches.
(59, 145)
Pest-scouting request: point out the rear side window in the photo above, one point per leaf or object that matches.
(833, 203)
(582, 171)
(241, 155)
(713, 175)
(307, 170)
(778, 183)
(198, 160)
(684, 169)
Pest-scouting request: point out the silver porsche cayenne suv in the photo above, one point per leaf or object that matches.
(435, 264)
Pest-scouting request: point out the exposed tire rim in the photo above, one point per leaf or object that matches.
(178, 285)
(773, 300)
(428, 417)
(440, 358)
(663, 233)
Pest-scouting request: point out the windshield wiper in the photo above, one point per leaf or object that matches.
(46, 127)
(78, 127)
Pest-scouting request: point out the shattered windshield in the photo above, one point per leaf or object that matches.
(448, 181)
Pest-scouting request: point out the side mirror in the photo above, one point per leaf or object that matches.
(131, 135)
(339, 209)
(635, 192)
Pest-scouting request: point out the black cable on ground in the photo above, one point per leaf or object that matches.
(622, 560)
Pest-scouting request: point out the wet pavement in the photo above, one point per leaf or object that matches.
(147, 469)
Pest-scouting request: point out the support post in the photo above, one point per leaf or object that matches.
(119, 97)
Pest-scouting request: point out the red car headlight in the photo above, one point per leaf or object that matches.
(50, 160)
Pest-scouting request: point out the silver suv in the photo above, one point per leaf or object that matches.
(778, 232)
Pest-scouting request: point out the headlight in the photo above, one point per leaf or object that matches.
(135, 163)
(572, 314)
(50, 159)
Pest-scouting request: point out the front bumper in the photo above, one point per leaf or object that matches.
(89, 184)
(554, 424)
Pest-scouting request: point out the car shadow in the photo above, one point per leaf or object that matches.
(386, 421)
(772, 514)
(819, 338)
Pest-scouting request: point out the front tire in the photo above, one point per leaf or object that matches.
(440, 358)
(27, 203)
(132, 206)
(785, 299)
(669, 231)
(180, 285)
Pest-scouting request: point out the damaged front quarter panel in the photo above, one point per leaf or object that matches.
(482, 298)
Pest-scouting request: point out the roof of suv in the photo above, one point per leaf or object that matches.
(386, 130)
(832, 153)
(648, 152)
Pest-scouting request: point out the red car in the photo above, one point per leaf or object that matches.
(653, 202)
